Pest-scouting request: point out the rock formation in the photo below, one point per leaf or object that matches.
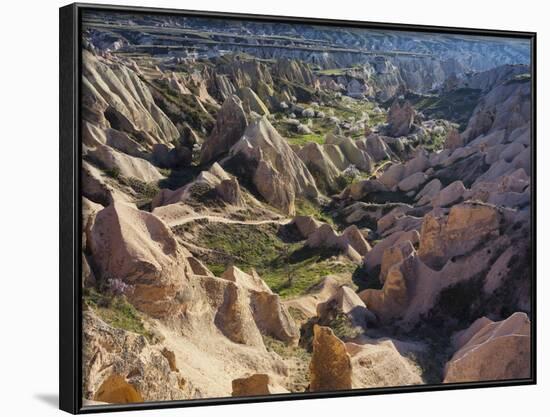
(330, 366)
(138, 248)
(400, 119)
(280, 175)
(230, 125)
(497, 351)
(256, 221)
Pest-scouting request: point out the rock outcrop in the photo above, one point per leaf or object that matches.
(497, 351)
(114, 96)
(231, 123)
(138, 248)
(256, 384)
(380, 364)
(122, 367)
(330, 367)
(277, 173)
(400, 119)
(466, 226)
(345, 301)
(351, 241)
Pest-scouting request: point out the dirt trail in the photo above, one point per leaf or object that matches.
(219, 219)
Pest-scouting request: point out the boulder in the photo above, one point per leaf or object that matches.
(419, 163)
(351, 241)
(352, 154)
(206, 181)
(392, 301)
(330, 366)
(307, 304)
(359, 190)
(231, 123)
(270, 315)
(251, 281)
(233, 316)
(324, 237)
(352, 236)
(460, 338)
(498, 351)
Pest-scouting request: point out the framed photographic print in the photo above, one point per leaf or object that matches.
(260, 208)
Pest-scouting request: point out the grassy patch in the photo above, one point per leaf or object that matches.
(302, 140)
(116, 312)
(436, 142)
(456, 105)
(288, 268)
(520, 78)
(307, 208)
(333, 71)
(299, 359)
(304, 275)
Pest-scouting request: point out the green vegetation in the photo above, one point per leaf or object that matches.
(288, 268)
(343, 327)
(456, 105)
(182, 107)
(113, 172)
(435, 142)
(299, 359)
(116, 311)
(333, 71)
(520, 78)
(307, 208)
(145, 191)
(302, 140)
(340, 324)
(305, 274)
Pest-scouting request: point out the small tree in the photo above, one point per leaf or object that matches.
(289, 271)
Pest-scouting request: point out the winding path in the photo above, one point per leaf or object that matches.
(219, 219)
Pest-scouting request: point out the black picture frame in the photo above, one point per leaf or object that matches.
(70, 262)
